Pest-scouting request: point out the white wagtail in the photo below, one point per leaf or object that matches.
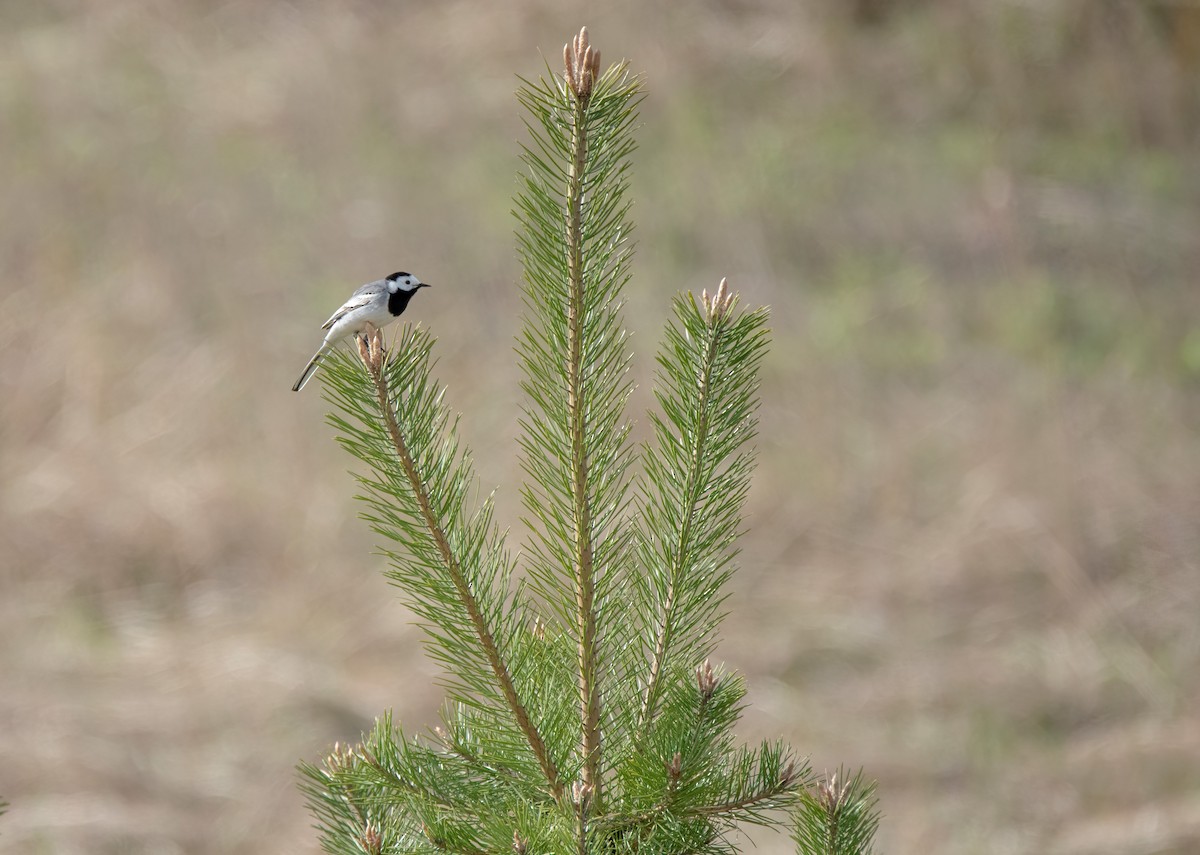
(377, 303)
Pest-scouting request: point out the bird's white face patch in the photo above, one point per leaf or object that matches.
(404, 283)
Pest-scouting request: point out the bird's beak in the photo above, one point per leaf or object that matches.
(424, 284)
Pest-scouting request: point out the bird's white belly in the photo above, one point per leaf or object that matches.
(356, 322)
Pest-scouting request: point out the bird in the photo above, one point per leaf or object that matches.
(375, 304)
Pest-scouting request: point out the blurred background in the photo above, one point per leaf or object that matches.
(973, 555)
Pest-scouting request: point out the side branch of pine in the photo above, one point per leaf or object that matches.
(666, 624)
(372, 355)
(783, 787)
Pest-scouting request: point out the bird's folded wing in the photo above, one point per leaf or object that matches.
(357, 301)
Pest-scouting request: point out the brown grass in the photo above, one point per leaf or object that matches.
(972, 565)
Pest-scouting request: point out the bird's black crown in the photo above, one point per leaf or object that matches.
(396, 276)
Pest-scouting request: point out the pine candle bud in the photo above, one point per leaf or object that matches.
(581, 793)
(706, 681)
(674, 771)
(582, 63)
(370, 349)
(371, 840)
(831, 795)
(718, 307)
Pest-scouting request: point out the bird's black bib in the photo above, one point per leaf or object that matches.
(398, 300)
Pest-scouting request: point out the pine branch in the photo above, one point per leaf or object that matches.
(373, 356)
(696, 478)
(692, 478)
(749, 805)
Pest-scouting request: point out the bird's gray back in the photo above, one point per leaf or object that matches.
(357, 300)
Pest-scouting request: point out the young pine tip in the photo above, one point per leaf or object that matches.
(370, 349)
(830, 794)
(582, 63)
(706, 680)
(717, 307)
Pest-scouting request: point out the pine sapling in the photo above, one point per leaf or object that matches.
(582, 714)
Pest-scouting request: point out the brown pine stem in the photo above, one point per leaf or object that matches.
(782, 788)
(789, 777)
(372, 354)
(581, 69)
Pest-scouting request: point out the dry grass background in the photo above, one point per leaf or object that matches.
(973, 564)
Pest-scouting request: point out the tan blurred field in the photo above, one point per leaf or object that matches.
(973, 558)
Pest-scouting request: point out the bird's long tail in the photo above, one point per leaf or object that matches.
(311, 368)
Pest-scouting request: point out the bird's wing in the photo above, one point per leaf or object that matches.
(357, 300)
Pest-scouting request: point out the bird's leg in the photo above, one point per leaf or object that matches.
(368, 331)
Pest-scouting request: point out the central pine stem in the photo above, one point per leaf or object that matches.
(585, 583)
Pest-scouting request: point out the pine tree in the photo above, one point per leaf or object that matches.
(582, 713)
